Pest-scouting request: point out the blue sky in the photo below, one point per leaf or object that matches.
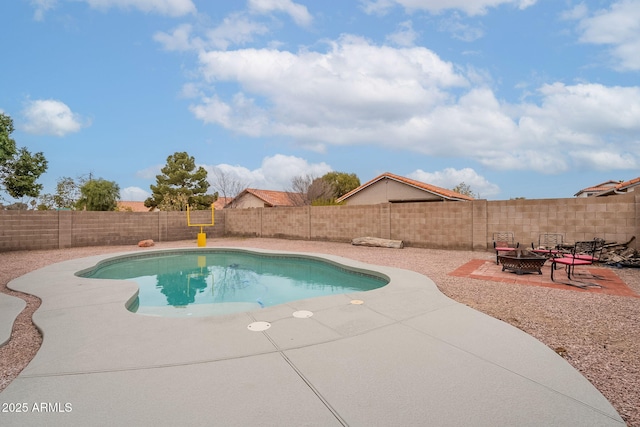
(516, 98)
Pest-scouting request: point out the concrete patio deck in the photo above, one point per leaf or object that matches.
(407, 356)
(607, 281)
(10, 308)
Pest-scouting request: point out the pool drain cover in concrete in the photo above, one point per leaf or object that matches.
(302, 314)
(357, 301)
(259, 326)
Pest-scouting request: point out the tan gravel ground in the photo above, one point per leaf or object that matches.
(598, 334)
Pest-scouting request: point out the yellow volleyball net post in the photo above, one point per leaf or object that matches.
(202, 237)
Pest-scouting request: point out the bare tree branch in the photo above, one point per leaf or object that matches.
(227, 184)
(306, 189)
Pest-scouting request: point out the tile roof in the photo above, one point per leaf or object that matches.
(610, 187)
(130, 206)
(603, 186)
(620, 187)
(221, 202)
(271, 198)
(443, 192)
(631, 183)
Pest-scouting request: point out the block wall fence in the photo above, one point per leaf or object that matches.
(448, 225)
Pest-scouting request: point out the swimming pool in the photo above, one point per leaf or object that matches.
(213, 282)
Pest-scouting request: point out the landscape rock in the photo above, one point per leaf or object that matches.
(376, 241)
(146, 243)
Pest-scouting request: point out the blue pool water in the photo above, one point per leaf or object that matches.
(215, 282)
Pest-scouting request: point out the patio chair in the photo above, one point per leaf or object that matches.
(504, 242)
(549, 245)
(590, 254)
(582, 253)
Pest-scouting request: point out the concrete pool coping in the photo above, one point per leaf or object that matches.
(407, 356)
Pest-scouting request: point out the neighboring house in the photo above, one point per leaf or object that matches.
(221, 202)
(610, 188)
(596, 189)
(390, 188)
(125, 206)
(254, 198)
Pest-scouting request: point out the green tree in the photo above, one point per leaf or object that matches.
(465, 189)
(342, 182)
(23, 172)
(98, 195)
(19, 169)
(308, 190)
(7, 144)
(67, 193)
(179, 185)
(323, 191)
(46, 202)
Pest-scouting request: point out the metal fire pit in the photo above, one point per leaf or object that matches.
(521, 261)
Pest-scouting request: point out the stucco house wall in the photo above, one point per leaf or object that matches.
(386, 190)
(248, 200)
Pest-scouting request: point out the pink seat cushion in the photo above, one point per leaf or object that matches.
(584, 257)
(572, 261)
(501, 249)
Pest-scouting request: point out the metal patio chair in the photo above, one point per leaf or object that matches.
(504, 242)
(549, 245)
(582, 253)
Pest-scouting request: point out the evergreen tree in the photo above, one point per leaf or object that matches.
(179, 185)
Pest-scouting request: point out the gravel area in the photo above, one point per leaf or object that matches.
(598, 334)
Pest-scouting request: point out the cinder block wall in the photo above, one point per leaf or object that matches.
(24, 230)
(435, 225)
(449, 225)
(21, 230)
(610, 218)
(112, 228)
(285, 222)
(243, 222)
(343, 223)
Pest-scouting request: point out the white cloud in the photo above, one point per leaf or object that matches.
(235, 29)
(579, 11)
(51, 117)
(41, 7)
(459, 30)
(318, 96)
(172, 8)
(299, 13)
(275, 172)
(150, 172)
(134, 194)
(179, 39)
(617, 27)
(348, 95)
(450, 178)
(405, 35)
(602, 160)
(585, 114)
(470, 7)
(377, 7)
